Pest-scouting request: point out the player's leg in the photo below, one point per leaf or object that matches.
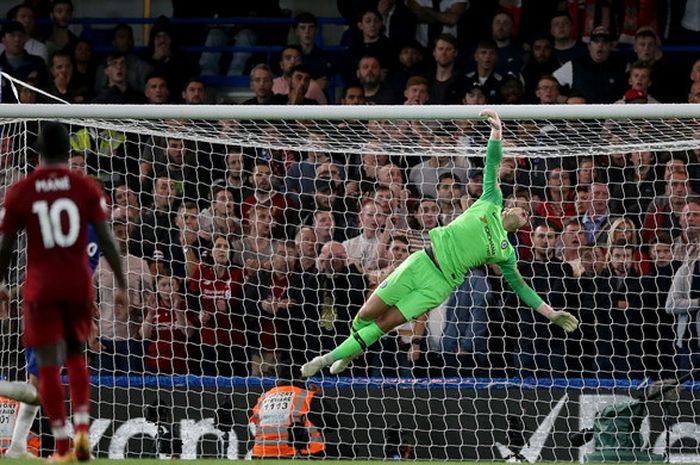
(79, 382)
(377, 326)
(379, 318)
(414, 288)
(50, 358)
(28, 409)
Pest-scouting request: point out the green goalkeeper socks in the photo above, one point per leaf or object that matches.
(359, 323)
(358, 341)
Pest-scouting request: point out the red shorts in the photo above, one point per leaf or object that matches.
(51, 322)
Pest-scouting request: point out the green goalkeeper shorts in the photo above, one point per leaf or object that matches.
(415, 287)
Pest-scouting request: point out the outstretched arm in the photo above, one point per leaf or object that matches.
(494, 155)
(515, 280)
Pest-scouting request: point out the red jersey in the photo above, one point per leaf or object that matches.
(221, 297)
(167, 351)
(55, 205)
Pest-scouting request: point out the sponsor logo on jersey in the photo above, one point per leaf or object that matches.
(52, 185)
(383, 284)
(504, 244)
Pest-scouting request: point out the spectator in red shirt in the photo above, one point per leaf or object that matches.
(218, 287)
(559, 202)
(166, 329)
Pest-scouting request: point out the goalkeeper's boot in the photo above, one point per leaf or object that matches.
(17, 453)
(68, 457)
(81, 444)
(340, 365)
(313, 366)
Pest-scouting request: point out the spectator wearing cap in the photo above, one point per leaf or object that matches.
(319, 61)
(137, 69)
(446, 84)
(369, 74)
(290, 58)
(15, 60)
(566, 47)
(485, 75)
(600, 75)
(24, 14)
(541, 62)
(547, 91)
(60, 37)
(510, 53)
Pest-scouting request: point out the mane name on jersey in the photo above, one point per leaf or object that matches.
(52, 184)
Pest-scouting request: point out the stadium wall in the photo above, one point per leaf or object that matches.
(449, 421)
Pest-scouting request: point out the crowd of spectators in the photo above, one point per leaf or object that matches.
(239, 259)
(393, 52)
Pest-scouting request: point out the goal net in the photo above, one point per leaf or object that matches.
(252, 236)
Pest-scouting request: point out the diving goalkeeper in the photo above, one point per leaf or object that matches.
(427, 278)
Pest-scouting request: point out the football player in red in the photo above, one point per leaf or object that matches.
(55, 205)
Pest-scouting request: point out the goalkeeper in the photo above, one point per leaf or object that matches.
(422, 282)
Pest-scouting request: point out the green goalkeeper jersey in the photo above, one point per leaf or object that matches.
(477, 236)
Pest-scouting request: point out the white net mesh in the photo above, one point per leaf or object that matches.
(250, 246)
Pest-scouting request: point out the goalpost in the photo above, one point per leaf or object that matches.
(229, 216)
